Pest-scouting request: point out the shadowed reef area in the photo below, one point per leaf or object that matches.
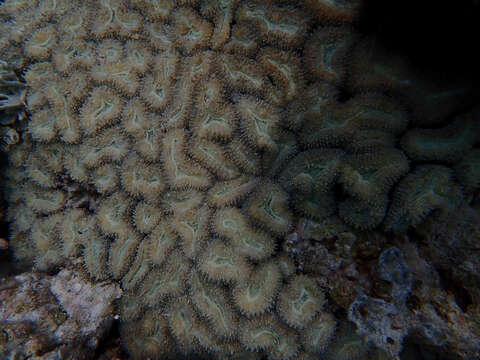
(262, 179)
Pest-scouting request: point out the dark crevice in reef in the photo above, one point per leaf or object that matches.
(112, 340)
(3, 225)
(3, 205)
(344, 95)
(437, 40)
(420, 351)
(436, 36)
(5, 256)
(463, 298)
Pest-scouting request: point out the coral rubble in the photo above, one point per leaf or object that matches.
(226, 162)
(51, 317)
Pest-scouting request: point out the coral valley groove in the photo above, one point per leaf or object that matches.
(175, 145)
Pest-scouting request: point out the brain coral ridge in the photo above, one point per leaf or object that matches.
(172, 145)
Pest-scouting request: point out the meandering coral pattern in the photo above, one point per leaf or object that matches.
(174, 144)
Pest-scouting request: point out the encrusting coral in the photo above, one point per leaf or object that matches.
(174, 146)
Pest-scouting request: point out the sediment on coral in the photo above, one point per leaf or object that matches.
(186, 150)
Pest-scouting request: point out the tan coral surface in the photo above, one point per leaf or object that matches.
(173, 145)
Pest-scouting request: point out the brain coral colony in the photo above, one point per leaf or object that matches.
(175, 145)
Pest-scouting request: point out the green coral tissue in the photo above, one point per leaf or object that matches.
(172, 145)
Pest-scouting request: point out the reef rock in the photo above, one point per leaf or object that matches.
(173, 146)
(52, 317)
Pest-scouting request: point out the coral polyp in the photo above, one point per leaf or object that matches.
(179, 148)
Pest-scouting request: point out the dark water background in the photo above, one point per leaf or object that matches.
(440, 38)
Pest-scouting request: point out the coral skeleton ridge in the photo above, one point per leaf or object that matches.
(173, 145)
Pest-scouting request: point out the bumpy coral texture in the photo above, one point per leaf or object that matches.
(173, 144)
